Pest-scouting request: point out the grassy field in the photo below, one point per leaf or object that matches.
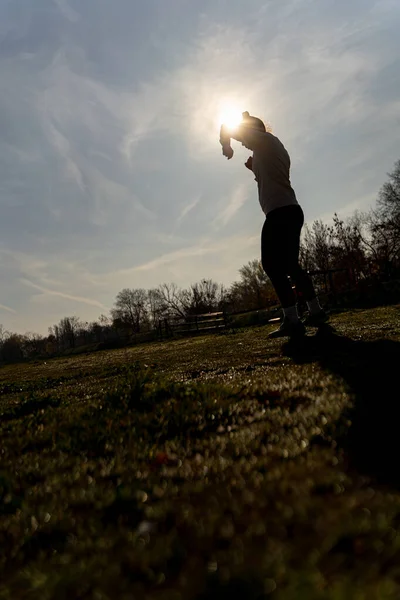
(227, 466)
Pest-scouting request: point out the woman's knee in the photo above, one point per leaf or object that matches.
(271, 270)
(271, 265)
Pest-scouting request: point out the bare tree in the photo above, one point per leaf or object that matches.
(385, 225)
(348, 249)
(130, 309)
(83, 333)
(105, 321)
(33, 344)
(389, 197)
(256, 282)
(204, 297)
(254, 290)
(3, 334)
(316, 247)
(95, 331)
(384, 244)
(156, 306)
(65, 333)
(51, 343)
(12, 348)
(173, 300)
(107, 329)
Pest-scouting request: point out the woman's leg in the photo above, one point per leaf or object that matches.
(300, 278)
(277, 252)
(274, 257)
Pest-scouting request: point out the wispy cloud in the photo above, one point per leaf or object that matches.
(187, 209)
(7, 308)
(109, 135)
(67, 11)
(206, 247)
(63, 147)
(63, 295)
(172, 257)
(235, 203)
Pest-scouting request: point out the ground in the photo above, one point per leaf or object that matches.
(227, 466)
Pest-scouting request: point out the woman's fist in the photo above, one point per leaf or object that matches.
(227, 151)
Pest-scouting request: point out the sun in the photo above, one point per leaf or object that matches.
(230, 116)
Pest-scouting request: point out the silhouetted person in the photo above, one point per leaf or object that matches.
(280, 238)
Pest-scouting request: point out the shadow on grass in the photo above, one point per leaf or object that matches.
(372, 372)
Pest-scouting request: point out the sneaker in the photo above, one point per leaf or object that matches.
(289, 329)
(317, 319)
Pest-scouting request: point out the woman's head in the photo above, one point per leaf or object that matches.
(253, 122)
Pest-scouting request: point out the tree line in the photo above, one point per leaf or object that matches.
(355, 252)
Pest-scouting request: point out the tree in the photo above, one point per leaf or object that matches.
(54, 339)
(83, 333)
(65, 333)
(130, 309)
(156, 306)
(385, 224)
(384, 244)
(106, 324)
(95, 331)
(3, 334)
(316, 247)
(51, 344)
(104, 321)
(69, 330)
(348, 248)
(172, 300)
(389, 197)
(204, 297)
(254, 290)
(34, 344)
(256, 282)
(12, 348)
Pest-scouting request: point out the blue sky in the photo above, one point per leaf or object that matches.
(111, 174)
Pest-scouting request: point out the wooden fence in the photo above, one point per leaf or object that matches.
(193, 324)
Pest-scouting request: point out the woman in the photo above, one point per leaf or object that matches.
(280, 238)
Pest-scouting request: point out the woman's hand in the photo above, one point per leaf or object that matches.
(227, 151)
(225, 140)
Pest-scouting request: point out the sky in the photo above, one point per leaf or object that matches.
(111, 173)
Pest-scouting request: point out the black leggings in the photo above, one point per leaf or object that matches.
(280, 247)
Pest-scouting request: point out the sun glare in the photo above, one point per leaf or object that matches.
(230, 116)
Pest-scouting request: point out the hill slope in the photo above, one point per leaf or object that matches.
(226, 466)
